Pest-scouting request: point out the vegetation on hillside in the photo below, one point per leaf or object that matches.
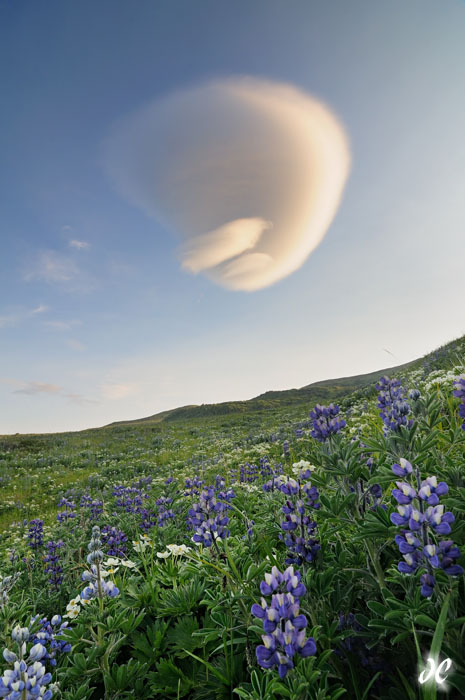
(257, 554)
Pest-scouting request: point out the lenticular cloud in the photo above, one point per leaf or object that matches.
(247, 173)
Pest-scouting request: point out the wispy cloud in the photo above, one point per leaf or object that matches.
(79, 245)
(51, 266)
(45, 388)
(32, 388)
(62, 325)
(40, 309)
(19, 315)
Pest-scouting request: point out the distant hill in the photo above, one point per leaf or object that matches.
(319, 392)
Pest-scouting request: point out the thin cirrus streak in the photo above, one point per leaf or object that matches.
(248, 173)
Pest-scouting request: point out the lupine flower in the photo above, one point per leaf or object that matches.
(91, 591)
(404, 493)
(420, 551)
(394, 407)
(402, 469)
(114, 541)
(283, 623)
(35, 534)
(53, 567)
(430, 490)
(49, 637)
(68, 510)
(449, 553)
(165, 513)
(439, 520)
(97, 587)
(208, 518)
(28, 678)
(298, 526)
(427, 585)
(325, 422)
(459, 392)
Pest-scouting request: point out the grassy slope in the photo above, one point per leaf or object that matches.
(319, 392)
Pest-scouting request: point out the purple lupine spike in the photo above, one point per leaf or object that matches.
(282, 621)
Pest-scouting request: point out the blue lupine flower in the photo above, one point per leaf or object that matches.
(114, 541)
(49, 637)
(91, 591)
(35, 534)
(407, 542)
(282, 621)
(427, 585)
(28, 678)
(439, 521)
(449, 554)
(402, 469)
(414, 552)
(411, 563)
(394, 407)
(459, 392)
(430, 551)
(430, 490)
(324, 422)
(53, 567)
(298, 526)
(404, 493)
(208, 517)
(68, 510)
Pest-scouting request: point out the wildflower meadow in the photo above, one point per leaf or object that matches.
(297, 551)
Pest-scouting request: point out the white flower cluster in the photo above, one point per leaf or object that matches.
(175, 550)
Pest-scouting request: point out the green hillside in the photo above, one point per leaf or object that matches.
(318, 392)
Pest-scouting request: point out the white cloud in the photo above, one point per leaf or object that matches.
(79, 245)
(251, 180)
(224, 243)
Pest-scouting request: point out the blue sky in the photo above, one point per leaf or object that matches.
(98, 320)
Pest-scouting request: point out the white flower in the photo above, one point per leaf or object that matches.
(112, 561)
(74, 612)
(178, 550)
(128, 564)
(142, 544)
(163, 555)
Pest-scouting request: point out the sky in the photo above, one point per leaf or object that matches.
(202, 201)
